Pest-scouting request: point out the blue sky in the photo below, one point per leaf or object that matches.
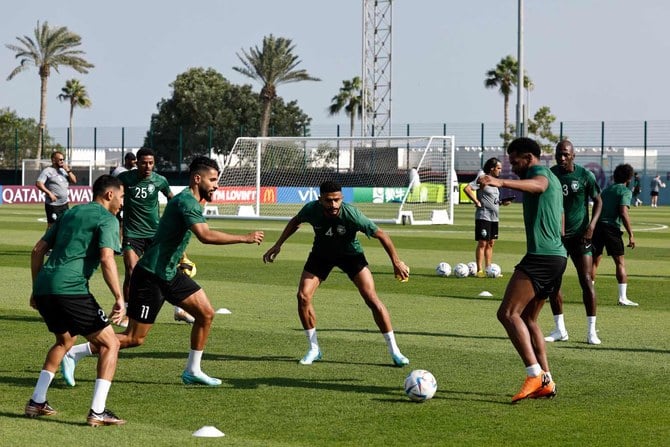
(590, 60)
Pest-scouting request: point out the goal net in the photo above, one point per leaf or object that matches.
(406, 180)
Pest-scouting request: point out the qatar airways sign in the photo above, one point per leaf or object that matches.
(30, 194)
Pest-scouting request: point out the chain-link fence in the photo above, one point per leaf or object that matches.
(643, 144)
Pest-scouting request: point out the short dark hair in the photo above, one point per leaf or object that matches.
(201, 163)
(329, 186)
(524, 145)
(623, 173)
(54, 153)
(103, 183)
(490, 164)
(145, 151)
(129, 156)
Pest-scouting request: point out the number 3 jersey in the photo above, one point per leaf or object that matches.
(140, 203)
(336, 236)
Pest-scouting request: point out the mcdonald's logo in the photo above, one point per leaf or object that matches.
(269, 195)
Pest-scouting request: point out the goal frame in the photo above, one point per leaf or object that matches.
(410, 210)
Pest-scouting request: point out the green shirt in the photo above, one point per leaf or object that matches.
(542, 216)
(172, 236)
(335, 236)
(76, 240)
(140, 203)
(614, 196)
(578, 187)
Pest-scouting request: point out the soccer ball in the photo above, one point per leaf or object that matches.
(461, 270)
(420, 385)
(493, 271)
(187, 267)
(443, 269)
(472, 266)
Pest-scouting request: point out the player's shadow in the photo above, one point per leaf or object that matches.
(426, 334)
(23, 318)
(47, 420)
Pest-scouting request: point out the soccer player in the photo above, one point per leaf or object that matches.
(54, 182)
(156, 277)
(335, 225)
(81, 240)
(616, 201)
(579, 186)
(655, 187)
(487, 201)
(141, 216)
(129, 163)
(540, 271)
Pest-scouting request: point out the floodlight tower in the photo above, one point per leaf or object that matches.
(377, 19)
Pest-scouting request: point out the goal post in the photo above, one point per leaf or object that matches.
(407, 180)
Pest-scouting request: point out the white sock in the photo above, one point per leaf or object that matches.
(533, 370)
(100, 392)
(548, 375)
(591, 324)
(390, 343)
(311, 339)
(623, 291)
(78, 352)
(42, 385)
(193, 362)
(560, 323)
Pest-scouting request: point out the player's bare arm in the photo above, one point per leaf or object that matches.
(400, 269)
(290, 228)
(595, 215)
(36, 261)
(625, 218)
(213, 237)
(111, 275)
(533, 185)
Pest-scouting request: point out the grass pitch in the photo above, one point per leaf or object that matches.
(612, 394)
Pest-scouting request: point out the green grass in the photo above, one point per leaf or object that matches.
(612, 394)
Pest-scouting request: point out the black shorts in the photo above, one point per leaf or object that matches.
(654, 193)
(577, 247)
(544, 271)
(136, 244)
(608, 236)
(76, 314)
(322, 265)
(148, 292)
(485, 230)
(54, 212)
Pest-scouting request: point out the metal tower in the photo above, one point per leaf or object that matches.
(377, 19)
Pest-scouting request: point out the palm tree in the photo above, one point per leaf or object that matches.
(75, 93)
(504, 77)
(350, 98)
(51, 48)
(272, 65)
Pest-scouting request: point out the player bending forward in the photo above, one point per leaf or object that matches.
(335, 225)
(156, 277)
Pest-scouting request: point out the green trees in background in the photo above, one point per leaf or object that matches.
(272, 65)
(75, 93)
(51, 48)
(206, 112)
(349, 98)
(540, 127)
(18, 138)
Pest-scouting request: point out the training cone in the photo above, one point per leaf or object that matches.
(485, 293)
(208, 432)
(223, 311)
